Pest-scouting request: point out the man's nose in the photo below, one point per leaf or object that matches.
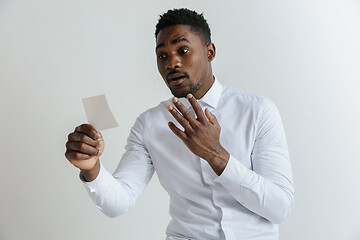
(173, 62)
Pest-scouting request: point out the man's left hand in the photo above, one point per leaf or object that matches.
(201, 134)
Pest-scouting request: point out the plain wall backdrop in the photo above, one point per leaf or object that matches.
(304, 55)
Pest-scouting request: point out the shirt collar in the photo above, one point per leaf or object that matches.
(211, 97)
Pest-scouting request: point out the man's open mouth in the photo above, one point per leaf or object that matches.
(176, 78)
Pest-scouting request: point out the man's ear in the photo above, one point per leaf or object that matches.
(211, 51)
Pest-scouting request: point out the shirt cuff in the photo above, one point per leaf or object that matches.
(233, 174)
(98, 181)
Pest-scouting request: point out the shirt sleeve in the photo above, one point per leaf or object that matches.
(267, 188)
(116, 193)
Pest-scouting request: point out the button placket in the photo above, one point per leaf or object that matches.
(208, 179)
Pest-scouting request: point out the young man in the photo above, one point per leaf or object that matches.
(220, 153)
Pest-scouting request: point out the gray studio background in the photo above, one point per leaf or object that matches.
(304, 55)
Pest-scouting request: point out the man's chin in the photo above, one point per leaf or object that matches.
(179, 93)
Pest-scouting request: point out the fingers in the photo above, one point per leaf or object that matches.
(180, 118)
(184, 112)
(197, 108)
(76, 156)
(81, 137)
(211, 117)
(81, 147)
(84, 143)
(184, 116)
(177, 131)
(88, 130)
(186, 119)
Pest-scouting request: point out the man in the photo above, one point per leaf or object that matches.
(220, 153)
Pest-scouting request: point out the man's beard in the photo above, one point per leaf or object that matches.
(193, 88)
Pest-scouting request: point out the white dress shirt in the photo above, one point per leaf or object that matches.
(252, 195)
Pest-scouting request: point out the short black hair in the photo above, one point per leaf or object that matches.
(188, 17)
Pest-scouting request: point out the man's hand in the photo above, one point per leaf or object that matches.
(201, 135)
(83, 149)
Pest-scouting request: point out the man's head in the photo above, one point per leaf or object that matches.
(184, 52)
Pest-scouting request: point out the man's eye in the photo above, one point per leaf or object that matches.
(184, 50)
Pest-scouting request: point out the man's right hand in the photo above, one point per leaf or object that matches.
(83, 149)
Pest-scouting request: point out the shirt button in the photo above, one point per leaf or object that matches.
(208, 180)
(226, 225)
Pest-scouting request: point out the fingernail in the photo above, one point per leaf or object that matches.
(170, 108)
(175, 99)
(190, 95)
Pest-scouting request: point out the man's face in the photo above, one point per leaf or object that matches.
(184, 61)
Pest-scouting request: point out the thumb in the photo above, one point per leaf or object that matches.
(211, 117)
(98, 135)
(101, 142)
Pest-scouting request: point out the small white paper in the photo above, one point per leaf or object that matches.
(98, 113)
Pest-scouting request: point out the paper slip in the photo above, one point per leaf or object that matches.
(98, 113)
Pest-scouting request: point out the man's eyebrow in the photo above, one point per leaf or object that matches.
(177, 40)
(159, 45)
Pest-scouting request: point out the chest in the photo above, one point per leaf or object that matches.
(175, 163)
